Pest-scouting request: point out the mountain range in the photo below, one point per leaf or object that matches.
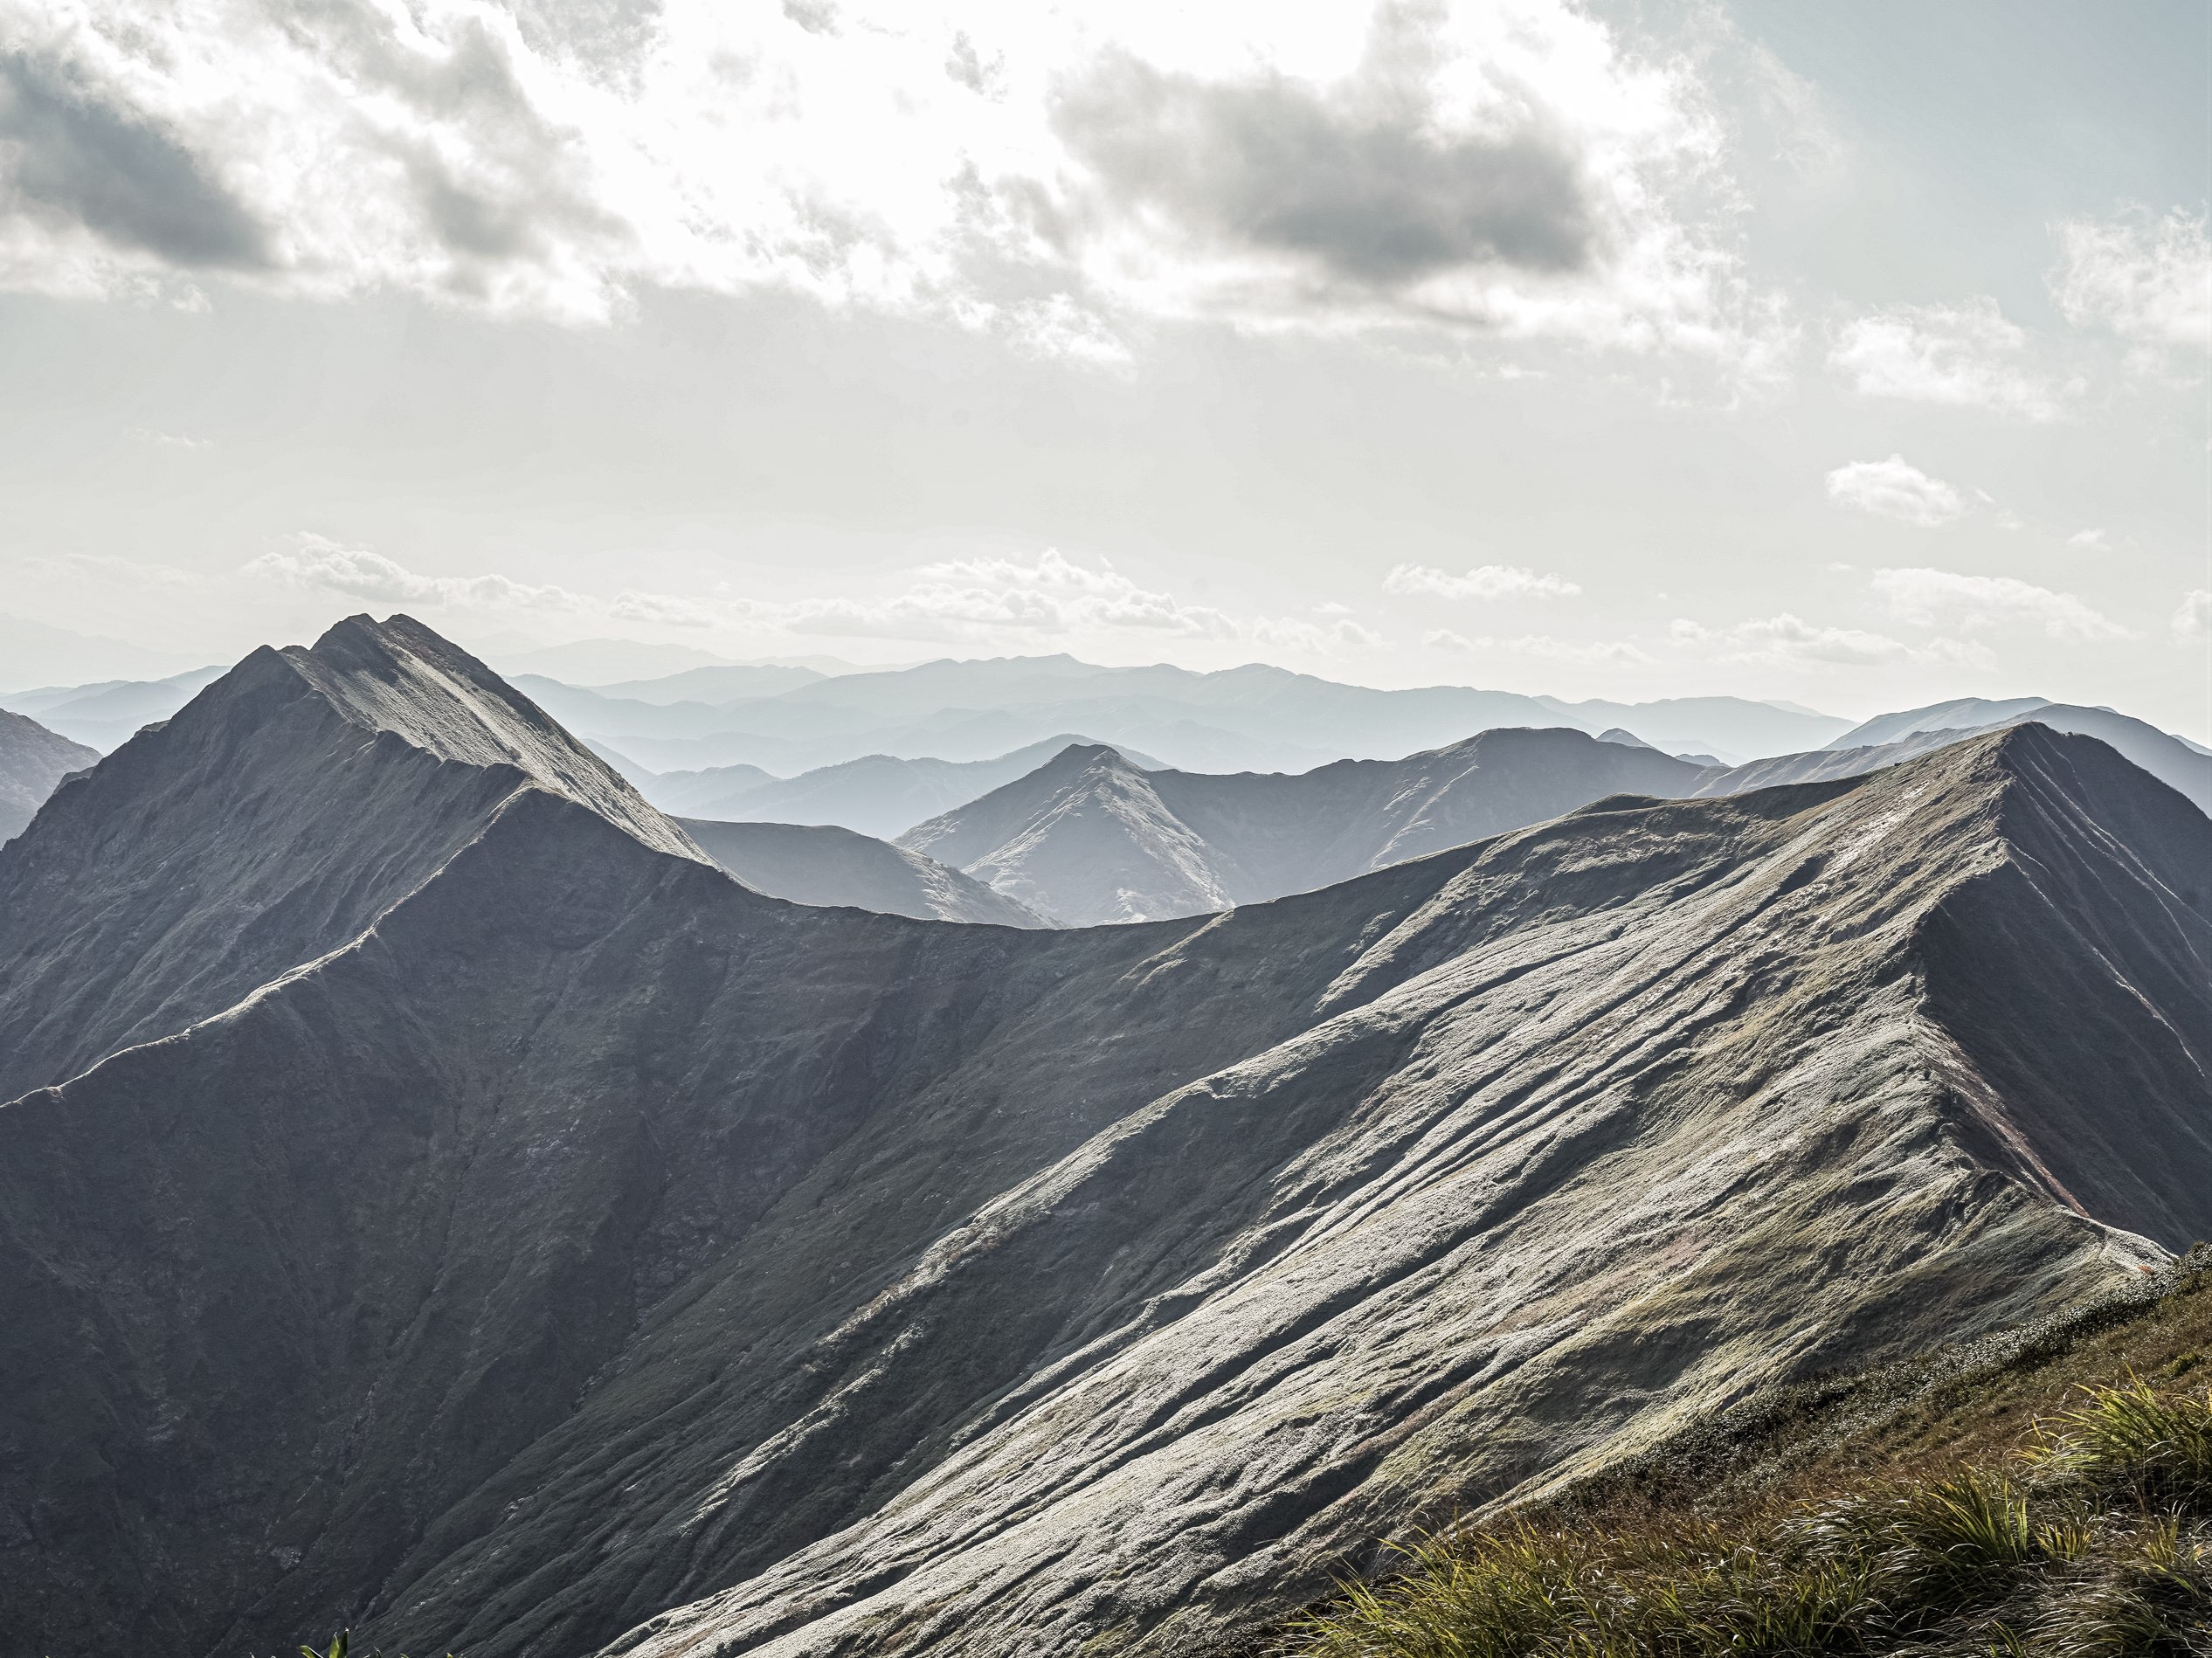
(1250, 718)
(437, 1199)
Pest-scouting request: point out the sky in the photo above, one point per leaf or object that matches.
(1854, 357)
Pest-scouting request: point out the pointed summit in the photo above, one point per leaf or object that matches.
(269, 821)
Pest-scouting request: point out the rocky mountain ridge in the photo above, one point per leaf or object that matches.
(589, 1253)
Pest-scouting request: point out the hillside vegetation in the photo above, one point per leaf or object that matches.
(2047, 1491)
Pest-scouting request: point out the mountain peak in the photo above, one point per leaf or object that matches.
(308, 790)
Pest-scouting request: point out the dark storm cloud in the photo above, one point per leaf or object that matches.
(78, 157)
(1362, 186)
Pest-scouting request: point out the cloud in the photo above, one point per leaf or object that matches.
(166, 439)
(129, 572)
(980, 597)
(1587, 653)
(1040, 172)
(317, 562)
(667, 609)
(1484, 581)
(1964, 355)
(2146, 280)
(1788, 641)
(1896, 488)
(2193, 618)
(1355, 183)
(2089, 540)
(1940, 598)
(1321, 639)
(75, 159)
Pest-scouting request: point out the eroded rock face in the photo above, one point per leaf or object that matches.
(594, 1253)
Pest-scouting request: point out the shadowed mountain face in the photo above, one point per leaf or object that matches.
(593, 1254)
(270, 820)
(1089, 838)
(820, 864)
(32, 760)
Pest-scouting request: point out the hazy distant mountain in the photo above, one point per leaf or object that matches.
(1962, 714)
(1090, 838)
(1727, 726)
(1250, 718)
(711, 685)
(877, 794)
(32, 760)
(2178, 763)
(32, 653)
(822, 863)
(561, 1248)
(104, 714)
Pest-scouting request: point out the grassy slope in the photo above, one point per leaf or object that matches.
(1722, 1539)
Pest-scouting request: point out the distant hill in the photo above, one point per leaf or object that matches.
(34, 654)
(877, 794)
(104, 712)
(1255, 717)
(822, 865)
(1090, 838)
(32, 760)
(2172, 761)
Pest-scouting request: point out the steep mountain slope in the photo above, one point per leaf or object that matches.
(32, 760)
(593, 1244)
(1090, 838)
(822, 865)
(271, 820)
(878, 794)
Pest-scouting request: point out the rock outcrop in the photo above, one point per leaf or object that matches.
(589, 1253)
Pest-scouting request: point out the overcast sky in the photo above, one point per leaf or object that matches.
(1855, 355)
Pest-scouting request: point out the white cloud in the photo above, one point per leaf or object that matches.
(2193, 619)
(1034, 171)
(1587, 653)
(126, 572)
(984, 598)
(1965, 355)
(1789, 641)
(667, 609)
(2089, 540)
(1896, 488)
(1484, 581)
(165, 439)
(316, 561)
(1941, 598)
(1321, 639)
(2146, 280)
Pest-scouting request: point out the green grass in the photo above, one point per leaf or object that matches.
(2093, 1541)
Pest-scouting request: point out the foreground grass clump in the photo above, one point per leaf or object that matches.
(2093, 1541)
